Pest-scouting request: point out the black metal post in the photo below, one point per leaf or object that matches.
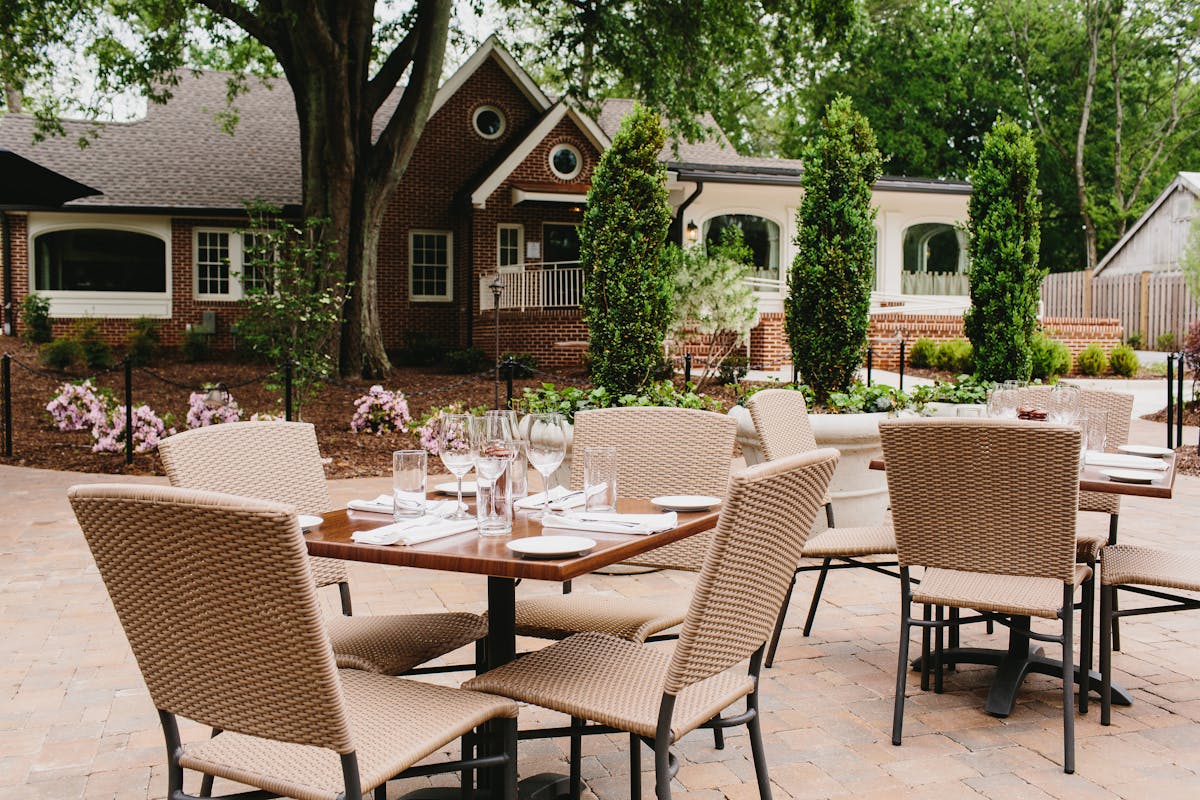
(511, 365)
(1170, 400)
(687, 368)
(288, 368)
(902, 365)
(128, 410)
(6, 376)
(1179, 391)
(870, 358)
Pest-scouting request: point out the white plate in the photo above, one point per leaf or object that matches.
(686, 502)
(1145, 450)
(1130, 475)
(551, 546)
(309, 521)
(452, 488)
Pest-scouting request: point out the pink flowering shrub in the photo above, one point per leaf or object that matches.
(148, 430)
(266, 416)
(200, 414)
(79, 406)
(380, 411)
(430, 429)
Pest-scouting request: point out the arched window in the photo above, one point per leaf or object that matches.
(935, 260)
(761, 235)
(99, 260)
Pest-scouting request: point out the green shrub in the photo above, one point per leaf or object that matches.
(62, 354)
(196, 346)
(1050, 358)
(523, 365)
(1004, 234)
(421, 349)
(569, 400)
(1166, 341)
(967, 389)
(863, 399)
(923, 353)
(1134, 340)
(629, 279)
(96, 351)
(732, 369)
(469, 360)
(828, 310)
(956, 355)
(143, 341)
(1092, 361)
(35, 319)
(1123, 361)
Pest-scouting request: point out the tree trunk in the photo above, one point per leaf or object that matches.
(13, 98)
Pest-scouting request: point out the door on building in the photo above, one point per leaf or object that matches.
(562, 279)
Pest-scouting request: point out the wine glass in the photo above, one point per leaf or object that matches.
(456, 448)
(547, 446)
(494, 444)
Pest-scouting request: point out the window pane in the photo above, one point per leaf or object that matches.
(510, 246)
(212, 262)
(430, 264)
(760, 235)
(98, 260)
(254, 275)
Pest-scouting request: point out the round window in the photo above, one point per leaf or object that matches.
(565, 161)
(489, 122)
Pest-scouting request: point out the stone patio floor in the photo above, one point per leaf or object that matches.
(77, 721)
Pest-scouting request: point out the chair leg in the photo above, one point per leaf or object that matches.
(380, 792)
(576, 757)
(662, 770)
(757, 751)
(902, 666)
(1087, 623)
(344, 591)
(1068, 676)
(206, 782)
(635, 767)
(816, 598)
(927, 615)
(467, 776)
(508, 729)
(787, 600)
(1106, 646)
(938, 649)
(719, 738)
(1113, 521)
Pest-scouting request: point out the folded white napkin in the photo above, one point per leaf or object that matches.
(608, 522)
(561, 498)
(416, 531)
(1097, 459)
(383, 505)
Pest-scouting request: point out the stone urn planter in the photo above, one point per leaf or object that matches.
(859, 493)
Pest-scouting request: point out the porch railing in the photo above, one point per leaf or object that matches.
(543, 285)
(954, 283)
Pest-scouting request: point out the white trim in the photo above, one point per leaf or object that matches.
(499, 115)
(432, 298)
(520, 229)
(1182, 180)
(554, 150)
(112, 305)
(234, 266)
(521, 195)
(490, 48)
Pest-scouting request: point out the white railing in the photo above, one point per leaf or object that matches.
(953, 283)
(543, 285)
(882, 303)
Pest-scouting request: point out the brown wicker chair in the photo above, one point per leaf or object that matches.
(987, 508)
(658, 698)
(1147, 572)
(279, 461)
(781, 420)
(659, 451)
(217, 600)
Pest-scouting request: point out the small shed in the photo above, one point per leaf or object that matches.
(1155, 243)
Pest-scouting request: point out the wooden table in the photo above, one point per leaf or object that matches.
(1023, 656)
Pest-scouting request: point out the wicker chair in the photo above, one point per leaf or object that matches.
(781, 420)
(1147, 572)
(279, 461)
(987, 507)
(218, 603)
(659, 451)
(658, 697)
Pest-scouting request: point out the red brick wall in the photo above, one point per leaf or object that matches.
(18, 230)
(554, 337)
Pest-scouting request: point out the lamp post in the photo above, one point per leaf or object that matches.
(497, 287)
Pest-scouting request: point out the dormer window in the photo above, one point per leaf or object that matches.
(489, 122)
(565, 161)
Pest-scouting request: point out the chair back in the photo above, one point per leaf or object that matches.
(750, 564)
(217, 600)
(659, 450)
(989, 496)
(277, 461)
(781, 420)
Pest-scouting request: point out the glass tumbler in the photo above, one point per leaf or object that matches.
(600, 478)
(408, 484)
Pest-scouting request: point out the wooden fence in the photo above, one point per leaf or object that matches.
(1149, 303)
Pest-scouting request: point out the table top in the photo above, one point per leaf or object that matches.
(1092, 480)
(470, 552)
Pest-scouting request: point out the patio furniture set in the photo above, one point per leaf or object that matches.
(217, 595)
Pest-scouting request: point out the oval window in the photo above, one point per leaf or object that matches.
(565, 161)
(489, 122)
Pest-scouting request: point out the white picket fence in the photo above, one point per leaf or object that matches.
(1152, 303)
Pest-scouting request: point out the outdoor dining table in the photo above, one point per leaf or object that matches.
(1023, 656)
(474, 554)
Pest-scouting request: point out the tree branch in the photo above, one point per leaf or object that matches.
(385, 80)
(244, 18)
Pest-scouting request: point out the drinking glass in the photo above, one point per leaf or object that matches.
(408, 484)
(1063, 404)
(517, 474)
(600, 479)
(1093, 427)
(456, 448)
(547, 445)
(494, 446)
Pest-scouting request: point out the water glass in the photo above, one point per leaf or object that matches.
(600, 478)
(408, 484)
(494, 508)
(517, 473)
(1093, 425)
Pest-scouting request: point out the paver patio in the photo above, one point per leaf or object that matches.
(77, 720)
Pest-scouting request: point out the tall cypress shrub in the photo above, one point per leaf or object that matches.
(1006, 281)
(628, 280)
(829, 308)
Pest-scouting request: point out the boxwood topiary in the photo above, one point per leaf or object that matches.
(1123, 361)
(923, 354)
(1049, 358)
(955, 356)
(1092, 361)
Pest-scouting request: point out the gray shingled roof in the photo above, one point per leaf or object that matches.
(178, 157)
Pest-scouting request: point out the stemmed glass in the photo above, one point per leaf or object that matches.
(494, 445)
(456, 448)
(547, 447)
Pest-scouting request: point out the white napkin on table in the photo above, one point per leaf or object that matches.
(383, 505)
(414, 531)
(561, 498)
(609, 522)
(1123, 461)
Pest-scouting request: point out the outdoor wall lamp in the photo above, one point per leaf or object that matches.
(693, 231)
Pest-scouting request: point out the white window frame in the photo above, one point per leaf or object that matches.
(237, 266)
(431, 298)
(475, 122)
(519, 264)
(566, 176)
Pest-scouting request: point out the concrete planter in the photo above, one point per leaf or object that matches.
(938, 409)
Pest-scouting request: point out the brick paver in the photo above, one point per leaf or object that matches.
(76, 720)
